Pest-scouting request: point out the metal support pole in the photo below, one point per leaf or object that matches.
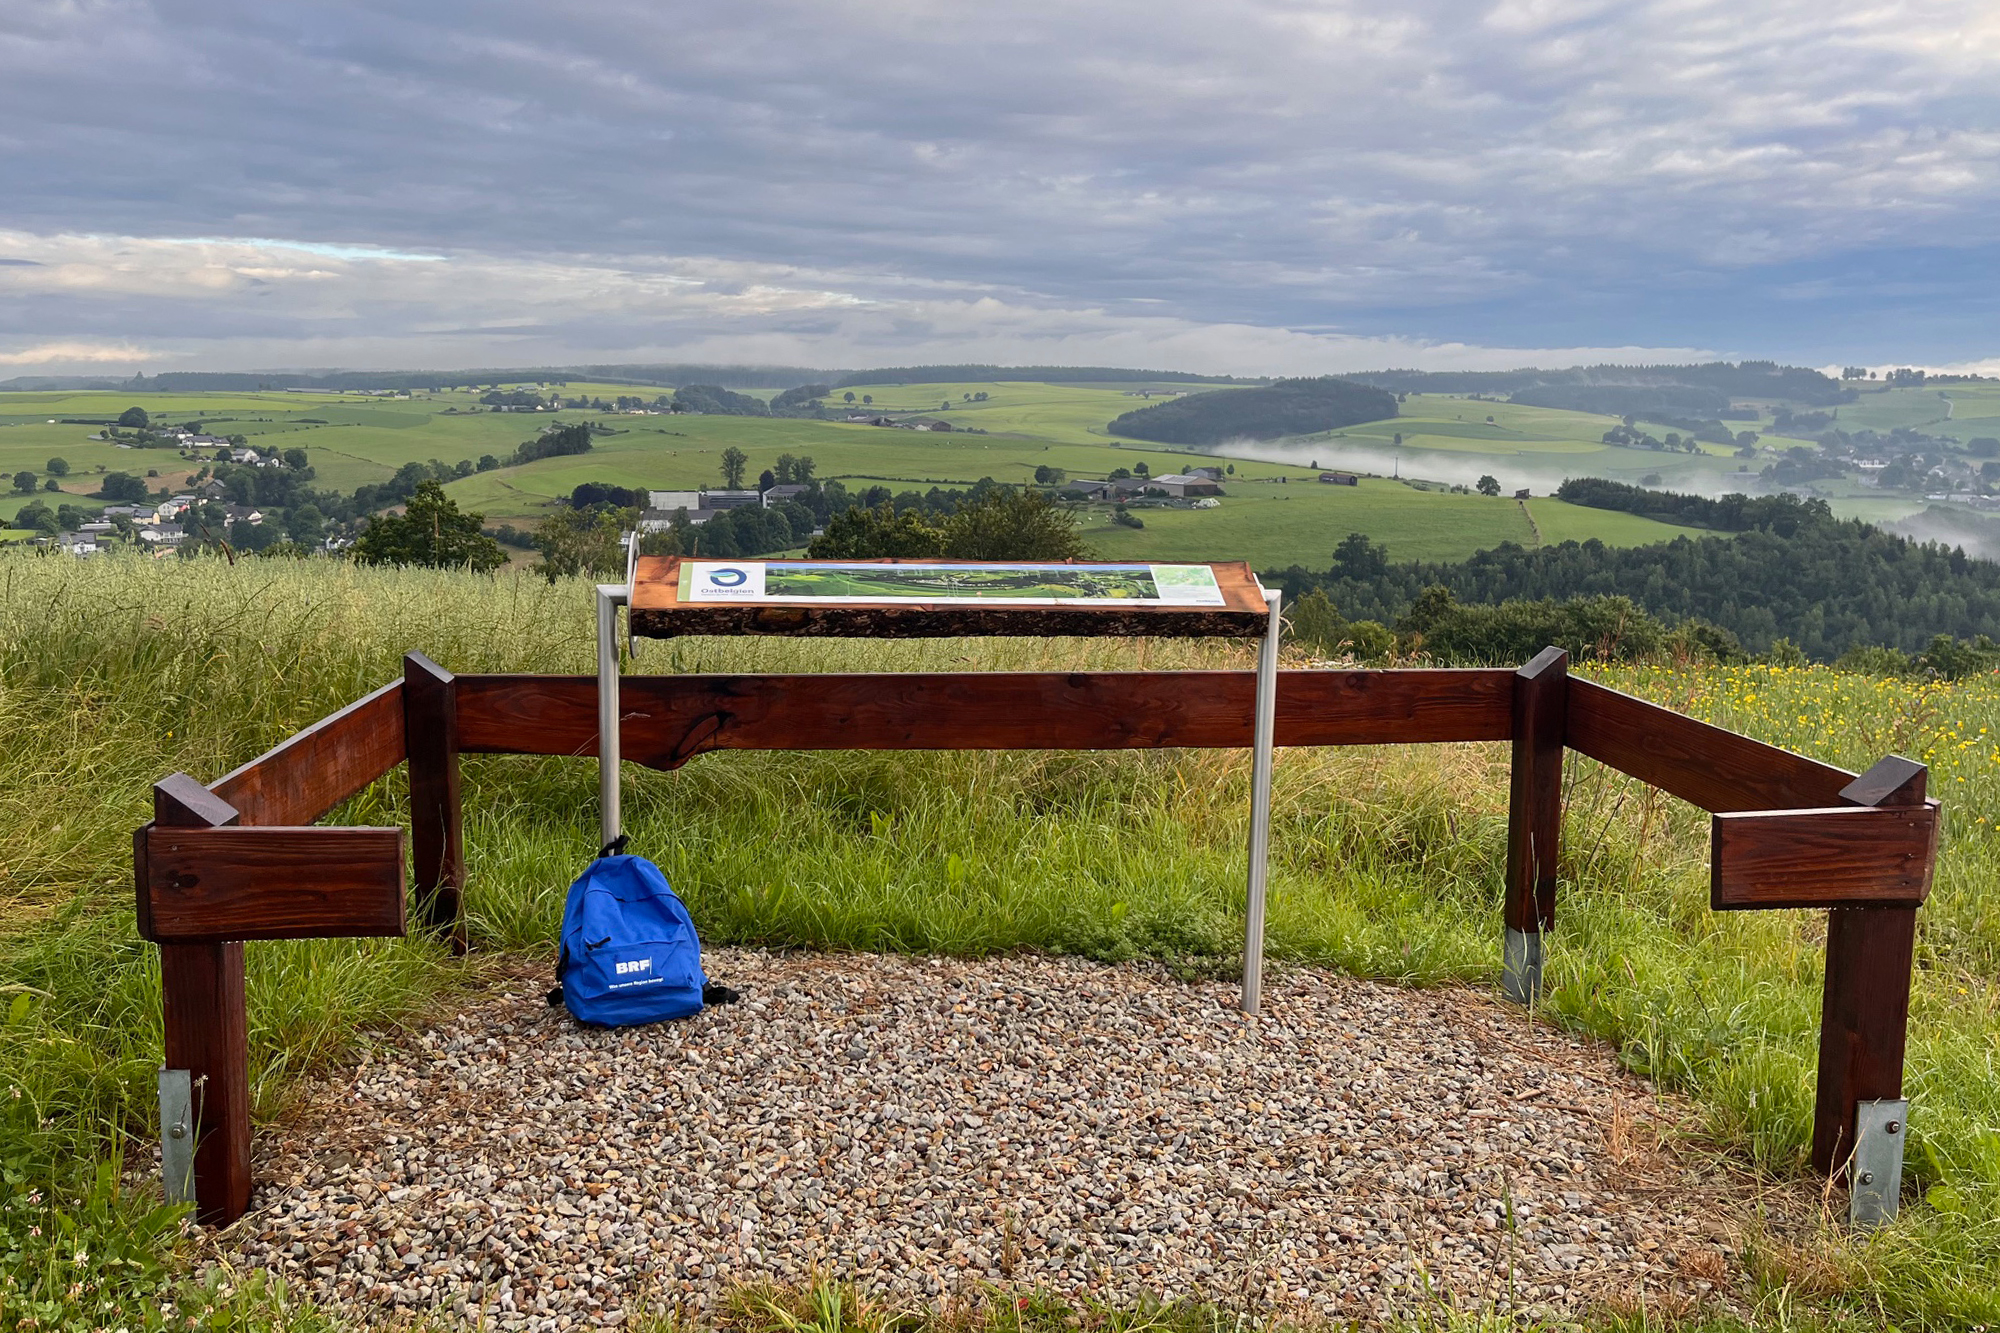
(1260, 805)
(610, 596)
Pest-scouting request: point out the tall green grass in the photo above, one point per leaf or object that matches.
(1385, 862)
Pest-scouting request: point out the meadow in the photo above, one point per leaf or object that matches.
(353, 441)
(1386, 863)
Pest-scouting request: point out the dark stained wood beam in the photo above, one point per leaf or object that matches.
(437, 837)
(1844, 856)
(1865, 1007)
(1705, 765)
(312, 772)
(1534, 806)
(205, 1025)
(274, 883)
(667, 720)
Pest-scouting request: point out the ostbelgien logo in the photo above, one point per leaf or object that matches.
(727, 578)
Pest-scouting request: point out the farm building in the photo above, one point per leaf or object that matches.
(1182, 486)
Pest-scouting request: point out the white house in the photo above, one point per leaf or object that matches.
(659, 520)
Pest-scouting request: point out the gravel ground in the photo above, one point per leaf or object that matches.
(922, 1125)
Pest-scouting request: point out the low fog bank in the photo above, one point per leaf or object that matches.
(1444, 466)
(1980, 537)
(1413, 464)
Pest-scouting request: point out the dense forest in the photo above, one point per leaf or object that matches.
(1824, 584)
(1747, 379)
(715, 400)
(1651, 401)
(1782, 513)
(1286, 407)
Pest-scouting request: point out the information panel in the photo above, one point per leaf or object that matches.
(824, 583)
(676, 595)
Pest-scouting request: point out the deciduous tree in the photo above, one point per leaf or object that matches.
(430, 532)
(734, 460)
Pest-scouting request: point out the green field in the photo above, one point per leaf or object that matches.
(354, 441)
(1272, 526)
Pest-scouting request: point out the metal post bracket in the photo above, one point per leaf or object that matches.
(1521, 966)
(177, 1133)
(1875, 1172)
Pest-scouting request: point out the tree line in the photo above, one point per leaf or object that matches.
(1740, 379)
(1826, 586)
(1784, 513)
(1285, 407)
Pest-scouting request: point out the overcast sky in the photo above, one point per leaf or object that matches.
(1227, 185)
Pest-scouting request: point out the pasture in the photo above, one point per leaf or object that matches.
(354, 440)
(1270, 524)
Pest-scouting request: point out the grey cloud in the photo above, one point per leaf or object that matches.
(1264, 163)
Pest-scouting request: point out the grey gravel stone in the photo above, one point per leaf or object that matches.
(921, 1125)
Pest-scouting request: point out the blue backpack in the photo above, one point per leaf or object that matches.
(629, 951)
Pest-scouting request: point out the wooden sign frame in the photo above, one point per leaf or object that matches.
(659, 611)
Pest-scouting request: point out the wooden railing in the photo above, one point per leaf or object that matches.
(238, 859)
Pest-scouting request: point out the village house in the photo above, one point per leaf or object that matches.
(777, 495)
(72, 543)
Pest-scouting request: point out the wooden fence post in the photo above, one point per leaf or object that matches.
(437, 829)
(1865, 1006)
(206, 1025)
(1534, 819)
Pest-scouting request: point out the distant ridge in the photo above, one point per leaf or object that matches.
(250, 381)
(1284, 407)
(1719, 379)
(1038, 374)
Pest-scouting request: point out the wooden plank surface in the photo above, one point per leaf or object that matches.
(1838, 857)
(1534, 804)
(669, 719)
(274, 883)
(658, 612)
(1715, 769)
(314, 771)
